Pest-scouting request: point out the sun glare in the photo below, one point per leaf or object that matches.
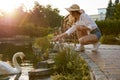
(10, 5)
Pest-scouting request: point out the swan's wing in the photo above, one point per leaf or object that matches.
(5, 68)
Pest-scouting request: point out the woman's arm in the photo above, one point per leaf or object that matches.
(67, 33)
(58, 37)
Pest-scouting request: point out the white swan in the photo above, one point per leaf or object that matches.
(5, 68)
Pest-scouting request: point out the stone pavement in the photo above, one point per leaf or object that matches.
(105, 64)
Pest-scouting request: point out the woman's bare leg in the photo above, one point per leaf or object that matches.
(80, 33)
(88, 39)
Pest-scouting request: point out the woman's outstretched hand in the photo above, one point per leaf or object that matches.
(56, 38)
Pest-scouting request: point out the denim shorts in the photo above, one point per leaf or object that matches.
(97, 32)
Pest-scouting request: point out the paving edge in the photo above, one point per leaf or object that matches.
(95, 71)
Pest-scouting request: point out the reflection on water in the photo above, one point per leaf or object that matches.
(16, 77)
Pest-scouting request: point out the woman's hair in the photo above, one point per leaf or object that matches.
(72, 12)
(71, 19)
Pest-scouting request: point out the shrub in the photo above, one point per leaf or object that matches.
(109, 39)
(70, 66)
(42, 43)
(109, 27)
(43, 47)
(118, 37)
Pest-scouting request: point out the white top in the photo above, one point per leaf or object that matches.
(84, 20)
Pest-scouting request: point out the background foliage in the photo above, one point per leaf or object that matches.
(113, 10)
(110, 30)
(37, 22)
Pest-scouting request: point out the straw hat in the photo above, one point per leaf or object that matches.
(74, 7)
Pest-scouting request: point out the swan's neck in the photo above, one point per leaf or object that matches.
(15, 63)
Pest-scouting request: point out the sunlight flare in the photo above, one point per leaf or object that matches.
(10, 5)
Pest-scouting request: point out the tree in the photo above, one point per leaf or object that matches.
(52, 16)
(45, 16)
(37, 16)
(110, 10)
(116, 2)
(117, 12)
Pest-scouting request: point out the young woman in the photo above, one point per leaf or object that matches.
(83, 22)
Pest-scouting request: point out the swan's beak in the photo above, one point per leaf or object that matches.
(23, 58)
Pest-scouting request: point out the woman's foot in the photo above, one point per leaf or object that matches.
(80, 48)
(96, 46)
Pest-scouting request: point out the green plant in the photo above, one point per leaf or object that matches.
(118, 37)
(109, 39)
(43, 45)
(70, 66)
(109, 27)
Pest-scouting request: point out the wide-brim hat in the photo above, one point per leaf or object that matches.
(74, 7)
